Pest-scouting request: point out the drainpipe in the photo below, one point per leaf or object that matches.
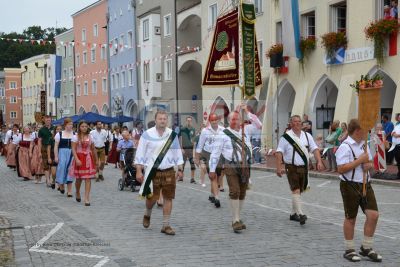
(176, 64)
(108, 60)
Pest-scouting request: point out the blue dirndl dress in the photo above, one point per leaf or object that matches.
(64, 161)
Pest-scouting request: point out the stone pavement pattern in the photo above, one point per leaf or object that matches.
(110, 232)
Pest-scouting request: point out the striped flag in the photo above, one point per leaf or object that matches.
(290, 28)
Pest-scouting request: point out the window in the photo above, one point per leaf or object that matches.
(71, 73)
(85, 88)
(94, 87)
(64, 51)
(34, 74)
(104, 85)
(338, 17)
(120, 11)
(130, 40)
(212, 15)
(308, 24)
(130, 77)
(380, 11)
(123, 79)
(121, 42)
(260, 52)
(167, 25)
(83, 35)
(146, 72)
(117, 81)
(324, 116)
(13, 85)
(2, 91)
(279, 32)
(71, 101)
(145, 30)
(78, 89)
(258, 6)
(113, 82)
(70, 50)
(95, 30)
(84, 54)
(13, 99)
(13, 115)
(103, 53)
(64, 75)
(64, 101)
(93, 54)
(78, 59)
(115, 46)
(168, 69)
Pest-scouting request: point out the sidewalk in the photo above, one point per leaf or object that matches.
(6, 243)
(270, 166)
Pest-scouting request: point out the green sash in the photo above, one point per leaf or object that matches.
(237, 140)
(145, 189)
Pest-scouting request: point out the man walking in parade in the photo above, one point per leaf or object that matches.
(354, 162)
(45, 140)
(156, 156)
(187, 134)
(207, 141)
(99, 137)
(293, 153)
(236, 161)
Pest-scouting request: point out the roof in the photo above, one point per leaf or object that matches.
(64, 33)
(87, 8)
(34, 58)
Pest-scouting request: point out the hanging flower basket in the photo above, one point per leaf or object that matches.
(275, 54)
(307, 45)
(378, 31)
(332, 41)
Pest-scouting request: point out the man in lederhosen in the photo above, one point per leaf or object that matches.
(293, 154)
(237, 168)
(207, 141)
(157, 154)
(353, 161)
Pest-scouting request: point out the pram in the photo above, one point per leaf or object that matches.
(129, 171)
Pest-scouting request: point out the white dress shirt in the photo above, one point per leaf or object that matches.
(99, 137)
(344, 156)
(396, 130)
(149, 147)
(208, 138)
(287, 149)
(10, 134)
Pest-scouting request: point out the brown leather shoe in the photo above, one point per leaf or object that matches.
(237, 227)
(243, 225)
(167, 230)
(146, 221)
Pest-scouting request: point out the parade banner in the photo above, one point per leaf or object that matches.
(222, 67)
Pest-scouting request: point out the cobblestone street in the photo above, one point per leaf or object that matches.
(50, 229)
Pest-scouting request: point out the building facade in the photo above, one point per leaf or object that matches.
(13, 96)
(2, 96)
(65, 49)
(122, 60)
(91, 70)
(38, 76)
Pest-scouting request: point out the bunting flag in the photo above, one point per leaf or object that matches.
(290, 28)
(57, 86)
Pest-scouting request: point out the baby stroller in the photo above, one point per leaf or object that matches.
(129, 171)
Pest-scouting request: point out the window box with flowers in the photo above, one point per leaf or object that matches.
(275, 54)
(332, 41)
(307, 45)
(378, 31)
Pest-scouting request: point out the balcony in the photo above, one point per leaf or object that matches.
(186, 55)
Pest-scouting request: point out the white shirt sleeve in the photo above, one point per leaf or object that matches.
(343, 155)
(141, 149)
(178, 151)
(7, 138)
(202, 141)
(313, 145)
(74, 138)
(254, 120)
(281, 145)
(57, 138)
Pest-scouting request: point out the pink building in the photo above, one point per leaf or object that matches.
(91, 85)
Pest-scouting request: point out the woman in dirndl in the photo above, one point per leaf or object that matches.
(12, 141)
(113, 156)
(63, 156)
(84, 162)
(51, 159)
(36, 160)
(24, 154)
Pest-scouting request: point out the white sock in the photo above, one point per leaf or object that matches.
(349, 244)
(147, 212)
(367, 242)
(293, 205)
(165, 221)
(297, 203)
(235, 205)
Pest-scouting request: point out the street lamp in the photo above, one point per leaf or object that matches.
(61, 112)
(44, 67)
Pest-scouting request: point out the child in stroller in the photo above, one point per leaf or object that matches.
(128, 170)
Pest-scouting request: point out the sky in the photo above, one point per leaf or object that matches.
(17, 15)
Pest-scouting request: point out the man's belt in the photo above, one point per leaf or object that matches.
(166, 170)
(100, 147)
(291, 165)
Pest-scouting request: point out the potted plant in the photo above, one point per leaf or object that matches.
(275, 54)
(367, 82)
(332, 41)
(378, 31)
(307, 45)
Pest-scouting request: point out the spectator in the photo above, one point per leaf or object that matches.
(386, 12)
(319, 141)
(332, 143)
(376, 141)
(396, 141)
(394, 10)
(388, 128)
(344, 133)
(306, 124)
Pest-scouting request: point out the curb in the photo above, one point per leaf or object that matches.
(330, 176)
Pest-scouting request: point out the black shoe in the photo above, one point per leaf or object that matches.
(294, 217)
(217, 203)
(78, 199)
(87, 204)
(211, 199)
(53, 186)
(371, 254)
(192, 181)
(62, 191)
(101, 177)
(303, 219)
(68, 195)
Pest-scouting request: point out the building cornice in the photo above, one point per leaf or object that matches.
(87, 8)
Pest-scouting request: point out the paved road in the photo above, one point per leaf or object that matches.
(52, 230)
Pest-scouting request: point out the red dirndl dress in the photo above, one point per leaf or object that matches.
(113, 155)
(88, 168)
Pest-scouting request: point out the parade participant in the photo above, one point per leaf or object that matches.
(186, 135)
(36, 160)
(83, 166)
(2, 139)
(99, 137)
(63, 156)
(159, 152)
(113, 157)
(207, 141)
(396, 144)
(122, 146)
(352, 161)
(45, 139)
(107, 144)
(137, 133)
(24, 153)
(388, 128)
(293, 151)
(203, 168)
(11, 142)
(237, 168)
(51, 160)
